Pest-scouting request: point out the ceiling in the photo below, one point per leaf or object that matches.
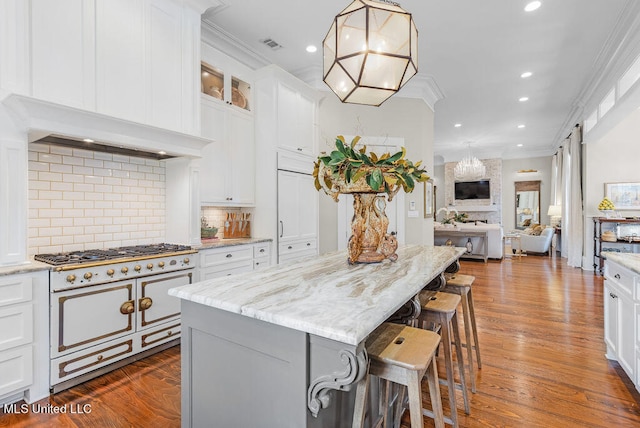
(471, 55)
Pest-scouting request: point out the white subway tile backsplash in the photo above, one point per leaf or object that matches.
(60, 150)
(80, 153)
(58, 185)
(58, 167)
(74, 196)
(103, 156)
(38, 166)
(82, 170)
(81, 199)
(73, 178)
(49, 176)
(49, 158)
(39, 148)
(71, 160)
(61, 203)
(61, 221)
(94, 163)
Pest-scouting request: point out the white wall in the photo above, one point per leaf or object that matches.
(411, 119)
(611, 159)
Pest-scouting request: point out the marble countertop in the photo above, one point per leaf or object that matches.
(31, 266)
(326, 296)
(629, 260)
(216, 243)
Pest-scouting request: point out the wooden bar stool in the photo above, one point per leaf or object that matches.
(402, 355)
(440, 309)
(461, 284)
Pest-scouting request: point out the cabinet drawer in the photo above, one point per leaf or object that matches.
(225, 255)
(160, 335)
(261, 263)
(297, 255)
(261, 250)
(220, 271)
(296, 246)
(16, 369)
(15, 289)
(72, 365)
(16, 326)
(620, 276)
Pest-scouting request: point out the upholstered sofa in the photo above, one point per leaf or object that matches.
(494, 237)
(537, 243)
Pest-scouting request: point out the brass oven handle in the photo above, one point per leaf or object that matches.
(127, 307)
(145, 303)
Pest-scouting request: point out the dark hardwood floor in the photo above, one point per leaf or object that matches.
(541, 335)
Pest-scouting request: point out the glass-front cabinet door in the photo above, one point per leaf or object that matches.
(223, 86)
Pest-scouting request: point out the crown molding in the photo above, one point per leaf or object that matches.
(620, 50)
(232, 46)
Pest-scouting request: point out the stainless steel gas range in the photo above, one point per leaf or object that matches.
(110, 307)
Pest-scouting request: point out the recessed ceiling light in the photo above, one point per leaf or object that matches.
(88, 140)
(530, 7)
(520, 145)
(457, 125)
(311, 48)
(521, 126)
(523, 99)
(526, 74)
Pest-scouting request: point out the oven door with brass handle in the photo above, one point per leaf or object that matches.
(155, 306)
(84, 317)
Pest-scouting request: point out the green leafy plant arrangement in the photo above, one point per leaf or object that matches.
(382, 173)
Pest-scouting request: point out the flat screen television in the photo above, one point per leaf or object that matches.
(480, 189)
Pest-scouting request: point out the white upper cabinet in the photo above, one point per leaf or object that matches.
(136, 60)
(120, 58)
(63, 59)
(227, 168)
(296, 119)
(290, 104)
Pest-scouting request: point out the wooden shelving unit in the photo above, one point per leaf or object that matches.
(602, 224)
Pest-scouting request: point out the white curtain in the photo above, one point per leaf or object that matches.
(572, 211)
(556, 179)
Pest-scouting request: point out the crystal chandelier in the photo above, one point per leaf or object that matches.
(469, 168)
(370, 52)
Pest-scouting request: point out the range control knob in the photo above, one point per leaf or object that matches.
(111, 272)
(161, 265)
(124, 270)
(150, 266)
(186, 260)
(137, 268)
(88, 275)
(71, 278)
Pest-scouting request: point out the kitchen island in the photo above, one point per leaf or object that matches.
(282, 347)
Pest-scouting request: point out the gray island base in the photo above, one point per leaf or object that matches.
(282, 347)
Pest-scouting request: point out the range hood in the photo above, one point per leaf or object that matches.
(68, 126)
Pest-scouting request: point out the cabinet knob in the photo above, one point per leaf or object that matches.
(308, 244)
(613, 296)
(229, 256)
(262, 250)
(616, 276)
(289, 247)
(299, 149)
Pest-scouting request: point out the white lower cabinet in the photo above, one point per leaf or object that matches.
(297, 216)
(23, 337)
(232, 259)
(622, 318)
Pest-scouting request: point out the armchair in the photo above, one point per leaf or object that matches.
(538, 244)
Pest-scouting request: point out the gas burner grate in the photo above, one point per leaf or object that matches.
(90, 256)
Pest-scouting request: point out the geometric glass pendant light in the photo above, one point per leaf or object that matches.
(370, 52)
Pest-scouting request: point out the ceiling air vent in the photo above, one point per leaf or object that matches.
(271, 44)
